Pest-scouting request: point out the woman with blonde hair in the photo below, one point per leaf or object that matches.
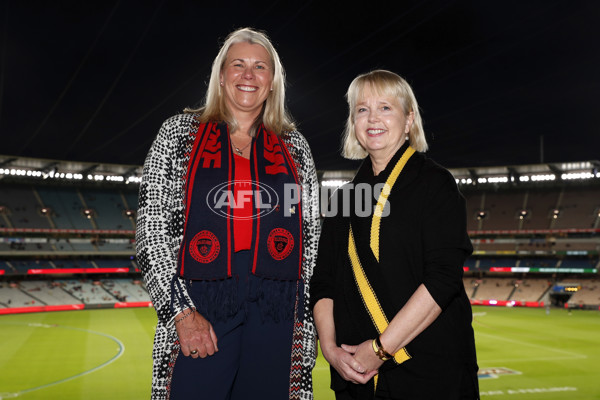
(226, 237)
(390, 308)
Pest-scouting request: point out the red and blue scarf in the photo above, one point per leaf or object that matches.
(208, 241)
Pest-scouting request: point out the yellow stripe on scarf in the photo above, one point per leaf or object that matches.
(370, 298)
(389, 183)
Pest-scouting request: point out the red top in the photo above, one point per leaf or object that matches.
(242, 211)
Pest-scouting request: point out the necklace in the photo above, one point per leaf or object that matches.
(237, 149)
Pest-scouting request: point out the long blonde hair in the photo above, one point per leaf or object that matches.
(274, 114)
(391, 85)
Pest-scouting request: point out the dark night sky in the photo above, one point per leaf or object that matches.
(93, 80)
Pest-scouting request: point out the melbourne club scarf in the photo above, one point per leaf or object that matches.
(208, 240)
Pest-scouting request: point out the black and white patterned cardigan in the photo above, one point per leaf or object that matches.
(159, 233)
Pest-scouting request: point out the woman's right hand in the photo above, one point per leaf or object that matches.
(346, 365)
(196, 335)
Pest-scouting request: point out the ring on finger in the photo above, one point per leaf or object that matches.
(194, 352)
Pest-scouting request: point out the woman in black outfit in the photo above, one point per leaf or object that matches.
(392, 315)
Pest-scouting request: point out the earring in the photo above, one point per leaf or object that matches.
(221, 83)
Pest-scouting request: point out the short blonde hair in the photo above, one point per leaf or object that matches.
(274, 114)
(391, 85)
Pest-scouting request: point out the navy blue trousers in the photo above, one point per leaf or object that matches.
(254, 357)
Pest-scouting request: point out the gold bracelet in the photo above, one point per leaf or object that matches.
(379, 350)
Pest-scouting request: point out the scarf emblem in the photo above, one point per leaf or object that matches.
(205, 247)
(280, 243)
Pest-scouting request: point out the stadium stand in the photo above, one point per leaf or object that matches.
(66, 208)
(126, 290)
(88, 292)
(532, 262)
(48, 292)
(502, 210)
(108, 209)
(541, 204)
(494, 289)
(22, 208)
(577, 208)
(531, 289)
(11, 295)
(72, 241)
(587, 294)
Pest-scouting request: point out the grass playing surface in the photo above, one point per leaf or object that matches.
(106, 354)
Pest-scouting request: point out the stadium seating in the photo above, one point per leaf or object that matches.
(12, 296)
(87, 231)
(579, 208)
(48, 292)
(23, 209)
(108, 209)
(496, 289)
(88, 291)
(588, 294)
(126, 290)
(530, 289)
(540, 205)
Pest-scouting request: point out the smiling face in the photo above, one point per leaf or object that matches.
(247, 79)
(380, 124)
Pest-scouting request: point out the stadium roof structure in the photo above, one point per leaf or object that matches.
(19, 168)
(521, 174)
(23, 168)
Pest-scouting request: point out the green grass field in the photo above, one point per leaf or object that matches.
(106, 354)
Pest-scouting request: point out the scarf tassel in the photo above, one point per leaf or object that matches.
(278, 300)
(217, 301)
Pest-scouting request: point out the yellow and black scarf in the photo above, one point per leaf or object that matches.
(365, 260)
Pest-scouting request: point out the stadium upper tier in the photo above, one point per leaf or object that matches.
(26, 208)
(533, 209)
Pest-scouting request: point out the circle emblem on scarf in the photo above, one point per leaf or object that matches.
(205, 247)
(280, 243)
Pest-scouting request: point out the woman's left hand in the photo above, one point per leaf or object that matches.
(364, 354)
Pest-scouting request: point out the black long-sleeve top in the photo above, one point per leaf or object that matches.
(423, 240)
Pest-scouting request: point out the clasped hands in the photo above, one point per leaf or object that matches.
(196, 335)
(356, 364)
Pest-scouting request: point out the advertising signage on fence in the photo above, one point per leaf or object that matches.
(78, 271)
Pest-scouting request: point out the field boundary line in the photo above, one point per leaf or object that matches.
(569, 353)
(70, 378)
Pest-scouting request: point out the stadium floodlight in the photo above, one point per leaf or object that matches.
(88, 213)
(577, 175)
(115, 178)
(498, 179)
(130, 214)
(523, 214)
(335, 183)
(543, 177)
